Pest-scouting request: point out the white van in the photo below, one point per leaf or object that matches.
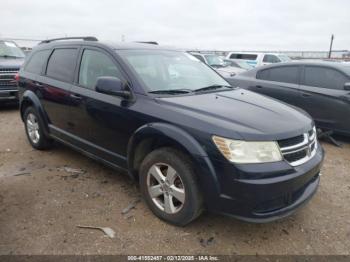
(258, 59)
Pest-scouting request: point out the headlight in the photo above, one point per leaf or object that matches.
(243, 152)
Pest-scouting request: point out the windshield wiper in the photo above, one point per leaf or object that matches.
(211, 87)
(171, 91)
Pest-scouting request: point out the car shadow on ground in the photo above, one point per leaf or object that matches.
(9, 107)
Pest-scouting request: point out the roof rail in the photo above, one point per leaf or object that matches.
(148, 42)
(85, 38)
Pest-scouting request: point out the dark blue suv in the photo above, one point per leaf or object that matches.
(191, 140)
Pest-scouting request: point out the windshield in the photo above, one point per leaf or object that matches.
(170, 70)
(214, 60)
(10, 49)
(284, 58)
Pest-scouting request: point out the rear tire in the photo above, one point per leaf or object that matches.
(169, 186)
(34, 130)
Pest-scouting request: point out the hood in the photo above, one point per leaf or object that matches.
(11, 62)
(240, 114)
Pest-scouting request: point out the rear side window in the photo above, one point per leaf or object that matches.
(324, 77)
(95, 64)
(244, 56)
(271, 59)
(286, 74)
(37, 61)
(61, 64)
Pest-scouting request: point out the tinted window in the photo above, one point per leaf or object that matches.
(286, 74)
(37, 61)
(271, 59)
(243, 56)
(62, 64)
(324, 77)
(200, 58)
(95, 64)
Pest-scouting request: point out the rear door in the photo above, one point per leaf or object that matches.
(54, 85)
(323, 96)
(280, 82)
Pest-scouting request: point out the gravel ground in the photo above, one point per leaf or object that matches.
(42, 202)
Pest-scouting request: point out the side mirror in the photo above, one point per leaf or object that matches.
(112, 86)
(347, 86)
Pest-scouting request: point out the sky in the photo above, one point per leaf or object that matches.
(264, 25)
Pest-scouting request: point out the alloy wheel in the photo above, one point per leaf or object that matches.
(165, 188)
(33, 128)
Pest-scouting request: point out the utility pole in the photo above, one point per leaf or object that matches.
(330, 48)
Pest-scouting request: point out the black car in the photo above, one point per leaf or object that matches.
(320, 88)
(169, 121)
(11, 58)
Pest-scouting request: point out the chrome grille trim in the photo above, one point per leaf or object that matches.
(7, 77)
(308, 147)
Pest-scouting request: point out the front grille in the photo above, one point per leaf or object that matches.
(299, 149)
(291, 141)
(295, 156)
(7, 77)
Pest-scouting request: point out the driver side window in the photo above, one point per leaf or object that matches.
(271, 59)
(95, 64)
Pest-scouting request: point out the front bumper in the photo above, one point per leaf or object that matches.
(265, 192)
(8, 94)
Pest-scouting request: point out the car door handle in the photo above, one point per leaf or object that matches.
(76, 97)
(305, 95)
(258, 86)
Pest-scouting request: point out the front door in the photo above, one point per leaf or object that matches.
(99, 122)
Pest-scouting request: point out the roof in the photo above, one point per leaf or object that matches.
(314, 63)
(111, 45)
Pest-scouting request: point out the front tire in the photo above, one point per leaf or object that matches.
(34, 130)
(169, 185)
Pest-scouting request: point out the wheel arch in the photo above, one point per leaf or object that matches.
(29, 98)
(156, 135)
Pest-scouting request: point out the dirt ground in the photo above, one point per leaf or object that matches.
(42, 202)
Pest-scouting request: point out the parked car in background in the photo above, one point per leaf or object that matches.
(190, 139)
(11, 58)
(238, 63)
(320, 88)
(219, 65)
(258, 59)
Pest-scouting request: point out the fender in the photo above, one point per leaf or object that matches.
(32, 98)
(207, 176)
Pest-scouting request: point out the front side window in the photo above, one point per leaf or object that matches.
(10, 49)
(324, 77)
(284, 58)
(170, 70)
(37, 61)
(61, 64)
(285, 74)
(271, 59)
(95, 64)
